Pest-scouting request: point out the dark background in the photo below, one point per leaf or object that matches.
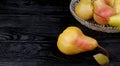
(29, 31)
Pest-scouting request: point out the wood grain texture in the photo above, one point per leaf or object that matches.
(29, 31)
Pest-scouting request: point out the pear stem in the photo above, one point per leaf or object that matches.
(107, 53)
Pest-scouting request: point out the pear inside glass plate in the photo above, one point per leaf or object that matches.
(91, 23)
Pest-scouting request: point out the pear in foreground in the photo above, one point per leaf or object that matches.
(73, 41)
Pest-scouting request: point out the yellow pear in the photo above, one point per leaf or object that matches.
(114, 20)
(72, 41)
(111, 2)
(84, 9)
(116, 6)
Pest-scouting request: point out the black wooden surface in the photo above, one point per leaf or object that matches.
(29, 31)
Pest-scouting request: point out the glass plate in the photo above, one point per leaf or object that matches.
(91, 23)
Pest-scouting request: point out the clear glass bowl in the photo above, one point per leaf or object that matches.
(91, 23)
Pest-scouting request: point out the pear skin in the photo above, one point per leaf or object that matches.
(84, 9)
(117, 6)
(102, 12)
(109, 2)
(85, 42)
(100, 20)
(72, 41)
(65, 41)
(106, 1)
(115, 20)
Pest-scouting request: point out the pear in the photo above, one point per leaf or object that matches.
(72, 41)
(102, 12)
(115, 20)
(84, 9)
(109, 2)
(117, 6)
(106, 1)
